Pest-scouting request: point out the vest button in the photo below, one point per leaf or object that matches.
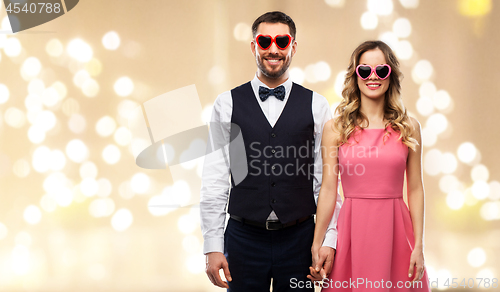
(273, 184)
(273, 201)
(273, 135)
(273, 167)
(273, 151)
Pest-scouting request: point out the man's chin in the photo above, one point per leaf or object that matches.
(274, 73)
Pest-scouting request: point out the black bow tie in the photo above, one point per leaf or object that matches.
(278, 92)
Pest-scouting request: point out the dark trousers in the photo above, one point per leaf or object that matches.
(255, 255)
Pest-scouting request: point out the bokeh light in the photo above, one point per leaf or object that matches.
(422, 71)
(12, 47)
(494, 190)
(380, 7)
(187, 223)
(476, 257)
(104, 187)
(32, 214)
(297, 75)
(89, 186)
(475, 8)
(50, 97)
(90, 87)
(339, 83)
(57, 160)
(21, 168)
(335, 3)
(432, 162)
(48, 203)
(31, 67)
(195, 264)
(80, 77)
(20, 259)
(88, 169)
(111, 154)
(448, 183)
(242, 32)
(480, 190)
(490, 211)
(36, 134)
(425, 106)
(77, 123)
(216, 75)
(41, 159)
(480, 173)
(125, 190)
(409, 4)
(442, 100)
(140, 183)
(390, 39)
(122, 219)
(105, 126)
(449, 163)
(77, 151)
(111, 40)
(402, 27)
(15, 117)
(322, 71)
(124, 86)
(466, 152)
(369, 20)
(404, 50)
(80, 50)
(54, 48)
(102, 207)
(455, 199)
(122, 136)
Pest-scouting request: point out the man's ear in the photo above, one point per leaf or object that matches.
(252, 47)
(294, 48)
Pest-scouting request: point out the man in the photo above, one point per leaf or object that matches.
(270, 230)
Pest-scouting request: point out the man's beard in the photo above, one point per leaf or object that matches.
(276, 74)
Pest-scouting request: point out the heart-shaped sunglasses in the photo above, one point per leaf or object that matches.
(365, 71)
(281, 41)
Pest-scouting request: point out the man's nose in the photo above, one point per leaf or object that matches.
(274, 48)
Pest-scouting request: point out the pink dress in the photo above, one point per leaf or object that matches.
(375, 232)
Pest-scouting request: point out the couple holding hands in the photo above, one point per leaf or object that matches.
(296, 155)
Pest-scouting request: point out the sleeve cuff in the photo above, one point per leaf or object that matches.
(213, 245)
(330, 239)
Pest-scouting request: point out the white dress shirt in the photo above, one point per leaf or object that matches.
(215, 179)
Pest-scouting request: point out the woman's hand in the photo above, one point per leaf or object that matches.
(416, 264)
(322, 262)
(315, 276)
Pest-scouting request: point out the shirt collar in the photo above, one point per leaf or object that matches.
(256, 83)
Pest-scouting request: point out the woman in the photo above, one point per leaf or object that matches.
(371, 142)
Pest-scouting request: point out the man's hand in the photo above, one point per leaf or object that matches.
(322, 263)
(215, 262)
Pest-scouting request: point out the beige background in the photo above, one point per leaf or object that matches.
(166, 45)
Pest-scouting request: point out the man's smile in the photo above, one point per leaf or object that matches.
(273, 61)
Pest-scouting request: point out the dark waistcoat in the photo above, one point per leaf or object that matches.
(280, 159)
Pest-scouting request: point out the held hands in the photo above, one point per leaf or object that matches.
(322, 262)
(416, 264)
(216, 261)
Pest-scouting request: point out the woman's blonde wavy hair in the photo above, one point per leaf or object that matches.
(348, 116)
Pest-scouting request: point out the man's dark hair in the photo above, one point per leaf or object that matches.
(274, 17)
